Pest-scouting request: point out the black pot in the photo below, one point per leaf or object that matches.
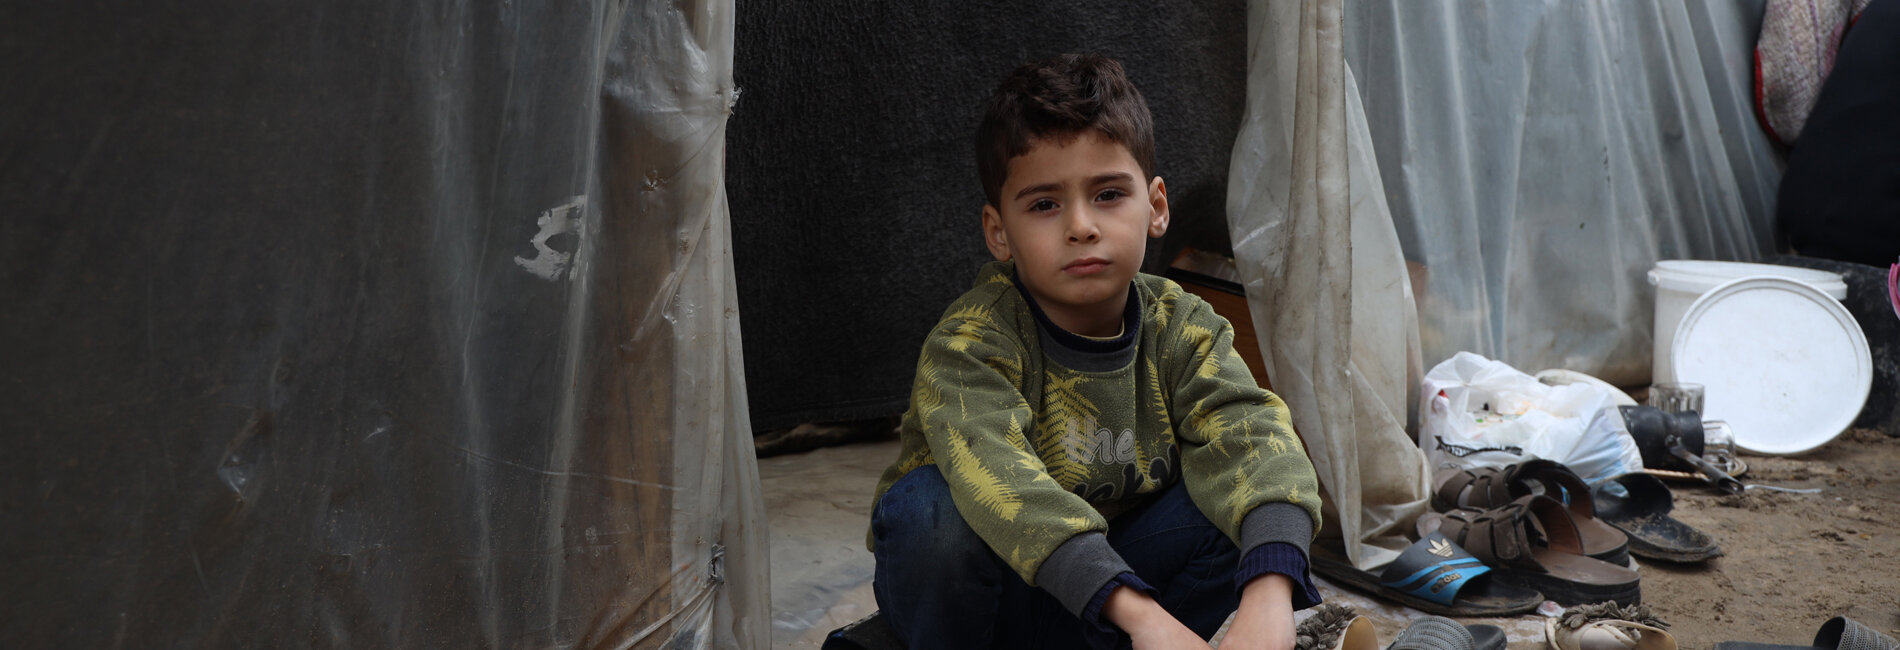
(1654, 430)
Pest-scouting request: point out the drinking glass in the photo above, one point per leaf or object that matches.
(1676, 397)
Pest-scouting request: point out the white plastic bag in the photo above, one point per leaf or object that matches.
(1483, 413)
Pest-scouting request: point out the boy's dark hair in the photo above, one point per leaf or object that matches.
(1059, 99)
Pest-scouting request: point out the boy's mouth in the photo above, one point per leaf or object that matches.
(1087, 266)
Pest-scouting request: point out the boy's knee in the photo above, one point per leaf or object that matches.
(917, 518)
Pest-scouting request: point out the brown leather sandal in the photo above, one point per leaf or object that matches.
(1533, 542)
(1489, 487)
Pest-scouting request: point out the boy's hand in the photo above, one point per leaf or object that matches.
(1147, 624)
(1265, 618)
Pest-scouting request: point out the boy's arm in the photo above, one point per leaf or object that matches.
(1265, 618)
(977, 424)
(1245, 468)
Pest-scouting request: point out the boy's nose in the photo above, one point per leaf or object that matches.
(1082, 227)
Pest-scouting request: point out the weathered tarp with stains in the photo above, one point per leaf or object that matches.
(371, 325)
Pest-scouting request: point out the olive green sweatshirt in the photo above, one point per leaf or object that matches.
(1043, 435)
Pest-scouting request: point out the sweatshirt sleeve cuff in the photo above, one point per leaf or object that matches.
(1276, 522)
(1078, 569)
(1284, 559)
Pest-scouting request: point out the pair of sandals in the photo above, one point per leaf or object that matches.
(1535, 523)
(1504, 541)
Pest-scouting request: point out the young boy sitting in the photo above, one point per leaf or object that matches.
(1085, 457)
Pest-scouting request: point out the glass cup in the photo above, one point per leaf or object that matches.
(1676, 397)
(1718, 445)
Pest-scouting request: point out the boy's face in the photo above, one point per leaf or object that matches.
(1076, 217)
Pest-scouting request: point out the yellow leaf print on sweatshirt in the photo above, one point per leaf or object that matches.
(1246, 442)
(1203, 340)
(990, 492)
(927, 399)
(1241, 494)
(1064, 411)
(969, 327)
(1170, 296)
(1275, 441)
(1158, 396)
(1014, 436)
(1212, 427)
(1010, 368)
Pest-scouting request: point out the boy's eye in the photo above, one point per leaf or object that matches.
(1042, 205)
(1110, 195)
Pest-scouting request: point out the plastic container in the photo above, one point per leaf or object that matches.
(1679, 282)
(1783, 363)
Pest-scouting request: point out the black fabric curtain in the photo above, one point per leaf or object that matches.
(853, 186)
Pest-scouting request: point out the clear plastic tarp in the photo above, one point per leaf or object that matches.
(373, 325)
(1540, 156)
(1533, 161)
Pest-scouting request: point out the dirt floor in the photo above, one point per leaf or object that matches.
(1793, 560)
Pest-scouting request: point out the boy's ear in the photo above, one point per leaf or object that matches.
(1158, 208)
(993, 235)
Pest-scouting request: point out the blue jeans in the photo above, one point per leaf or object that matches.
(940, 586)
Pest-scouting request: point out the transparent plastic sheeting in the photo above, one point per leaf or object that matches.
(1325, 281)
(372, 325)
(1541, 156)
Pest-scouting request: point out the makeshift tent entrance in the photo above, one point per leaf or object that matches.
(396, 326)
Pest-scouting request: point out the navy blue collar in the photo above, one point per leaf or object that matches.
(1080, 352)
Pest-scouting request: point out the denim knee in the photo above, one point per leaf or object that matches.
(917, 522)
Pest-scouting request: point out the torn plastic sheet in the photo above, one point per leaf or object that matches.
(373, 325)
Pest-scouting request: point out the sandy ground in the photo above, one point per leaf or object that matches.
(1793, 560)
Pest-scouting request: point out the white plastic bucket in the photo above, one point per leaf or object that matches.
(1679, 282)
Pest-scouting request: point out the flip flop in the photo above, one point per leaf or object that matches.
(1533, 542)
(1838, 633)
(1435, 576)
(1337, 627)
(1638, 504)
(1440, 633)
(1608, 627)
(1483, 488)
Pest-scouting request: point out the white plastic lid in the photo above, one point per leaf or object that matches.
(1699, 276)
(1783, 363)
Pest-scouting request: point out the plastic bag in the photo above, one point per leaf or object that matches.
(1477, 412)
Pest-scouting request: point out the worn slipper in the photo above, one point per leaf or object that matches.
(868, 633)
(1838, 633)
(1434, 576)
(1608, 626)
(1337, 627)
(1483, 488)
(1533, 542)
(1638, 504)
(1440, 633)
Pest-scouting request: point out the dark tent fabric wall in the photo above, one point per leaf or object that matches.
(1841, 197)
(854, 193)
(371, 325)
